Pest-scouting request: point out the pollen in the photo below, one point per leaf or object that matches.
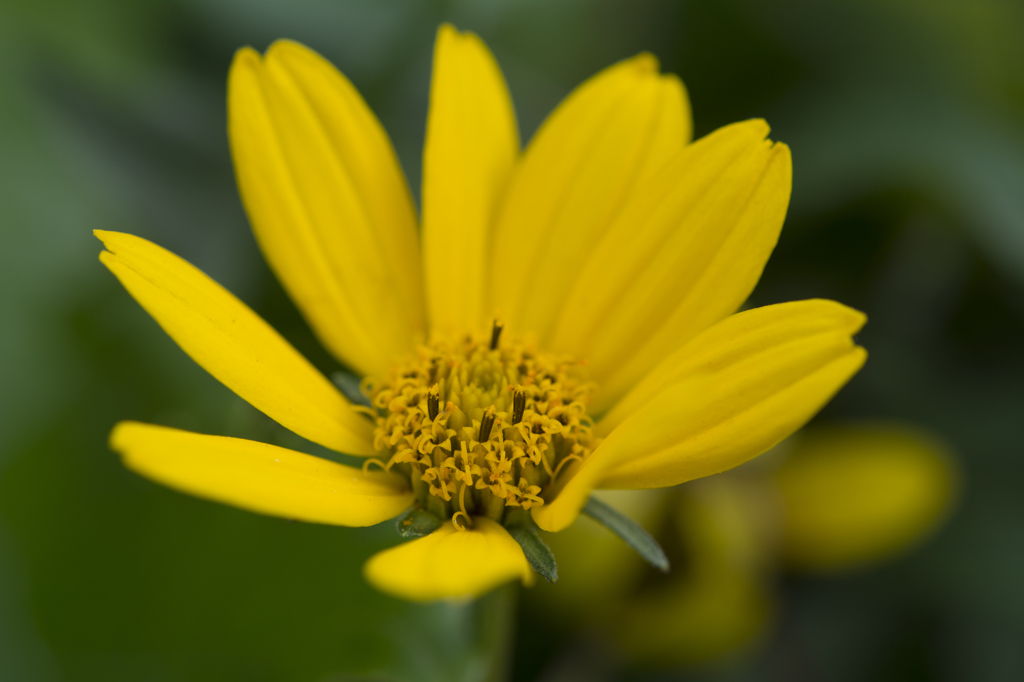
(481, 425)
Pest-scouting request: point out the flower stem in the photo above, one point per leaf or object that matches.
(495, 616)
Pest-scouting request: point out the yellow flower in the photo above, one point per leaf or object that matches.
(840, 498)
(561, 321)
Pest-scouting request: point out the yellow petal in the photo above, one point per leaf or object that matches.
(596, 149)
(234, 344)
(684, 253)
(259, 477)
(328, 203)
(734, 391)
(741, 335)
(856, 494)
(450, 564)
(471, 145)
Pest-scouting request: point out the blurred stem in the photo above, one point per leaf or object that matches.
(495, 616)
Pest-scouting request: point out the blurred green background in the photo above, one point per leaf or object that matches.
(906, 121)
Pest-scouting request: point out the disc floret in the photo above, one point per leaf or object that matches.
(481, 425)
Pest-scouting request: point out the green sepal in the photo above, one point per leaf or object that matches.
(415, 522)
(348, 384)
(631, 532)
(537, 553)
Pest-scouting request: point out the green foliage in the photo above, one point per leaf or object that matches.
(417, 522)
(631, 532)
(537, 553)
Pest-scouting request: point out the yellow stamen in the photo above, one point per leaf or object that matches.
(496, 334)
(462, 510)
(407, 455)
(486, 424)
(519, 402)
(433, 402)
(362, 409)
(374, 460)
(565, 460)
(510, 414)
(455, 520)
(547, 466)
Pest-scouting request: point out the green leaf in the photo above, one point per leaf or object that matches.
(537, 553)
(416, 522)
(631, 532)
(348, 384)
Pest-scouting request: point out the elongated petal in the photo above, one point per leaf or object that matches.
(470, 148)
(235, 345)
(328, 203)
(259, 477)
(753, 384)
(450, 564)
(738, 337)
(684, 253)
(596, 149)
(856, 494)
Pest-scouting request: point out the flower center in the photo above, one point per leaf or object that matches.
(481, 425)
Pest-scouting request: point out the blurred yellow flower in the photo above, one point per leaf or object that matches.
(839, 499)
(613, 251)
(851, 496)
